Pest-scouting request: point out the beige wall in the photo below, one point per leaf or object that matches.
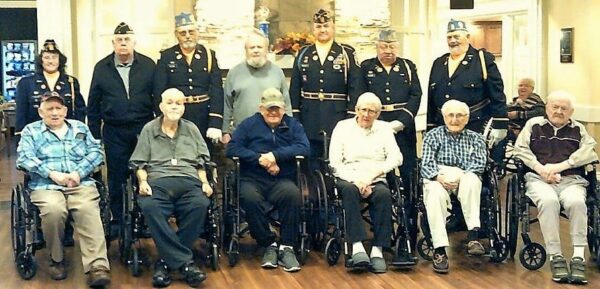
(581, 76)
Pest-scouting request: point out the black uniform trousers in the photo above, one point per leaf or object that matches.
(183, 198)
(119, 144)
(380, 210)
(281, 193)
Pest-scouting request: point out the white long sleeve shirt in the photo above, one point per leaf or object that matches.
(358, 154)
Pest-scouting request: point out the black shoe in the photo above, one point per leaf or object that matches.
(440, 263)
(192, 274)
(161, 277)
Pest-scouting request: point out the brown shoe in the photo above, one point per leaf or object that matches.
(98, 276)
(475, 248)
(58, 270)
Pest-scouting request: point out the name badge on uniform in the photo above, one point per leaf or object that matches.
(173, 162)
(370, 73)
(172, 64)
(304, 65)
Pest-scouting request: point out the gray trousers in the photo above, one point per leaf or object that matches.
(82, 202)
(571, 194)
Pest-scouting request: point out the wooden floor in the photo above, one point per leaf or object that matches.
(465, 272)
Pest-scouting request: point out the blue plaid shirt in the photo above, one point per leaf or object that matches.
(466, 151)
(40, 151)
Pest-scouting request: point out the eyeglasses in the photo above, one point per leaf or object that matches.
(456, 115)
(365, 110)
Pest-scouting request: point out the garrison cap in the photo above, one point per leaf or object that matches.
(456, 25)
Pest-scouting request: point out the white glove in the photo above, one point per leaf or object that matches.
(214, 134)
(498, 135)
(396, 125)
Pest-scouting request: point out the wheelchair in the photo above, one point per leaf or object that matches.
(533, 255)
(329, 216)
(490, 216)
(134, 229)
(26, 224)
(233, 215)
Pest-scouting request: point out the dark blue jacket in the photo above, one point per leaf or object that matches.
(29, 94)
(254, 137)
(485, 98)
(109, 102)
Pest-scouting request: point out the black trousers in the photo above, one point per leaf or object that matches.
(380, 210)
(284, 195)
(183, 198)
(119, 144)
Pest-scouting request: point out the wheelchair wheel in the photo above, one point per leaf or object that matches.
(333, 250)
(233, 254)
(533, 256)
(17, 222)
(134, 266)
(512, 216)
(322, 208)
(26, 265)
(304, 249)
(214, 257)
(500, 251)
(425, 249)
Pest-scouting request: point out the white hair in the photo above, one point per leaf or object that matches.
(455, 104)
(368, 98)
(562, 95)
(256, 33)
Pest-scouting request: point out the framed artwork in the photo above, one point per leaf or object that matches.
(566, 45)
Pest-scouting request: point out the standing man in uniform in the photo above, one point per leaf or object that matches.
(395, 81)
(470, 76)
(120, 104)
(246, 82)
(193, 69)
(325, 83)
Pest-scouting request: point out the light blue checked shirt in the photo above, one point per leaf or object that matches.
(40, 151)
(466, 151)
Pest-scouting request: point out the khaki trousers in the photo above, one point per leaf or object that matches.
(437, 203)
(83, 203)
(570, 193)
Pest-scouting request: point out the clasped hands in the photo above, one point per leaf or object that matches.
(268, 161)
(69, 180)
(550, 173)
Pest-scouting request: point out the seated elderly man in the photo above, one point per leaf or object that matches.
(556, 148)
(267, 144)
(453, 160)
(169, 160)
(362, 150)
(60, 155)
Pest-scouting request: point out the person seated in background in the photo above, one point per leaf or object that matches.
(60, 155)
(362, 151)
(556, 147)
(267, 144)
(453, 161)
(169, 161)
(526, 105)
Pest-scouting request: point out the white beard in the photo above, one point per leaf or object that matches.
(256, 62)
